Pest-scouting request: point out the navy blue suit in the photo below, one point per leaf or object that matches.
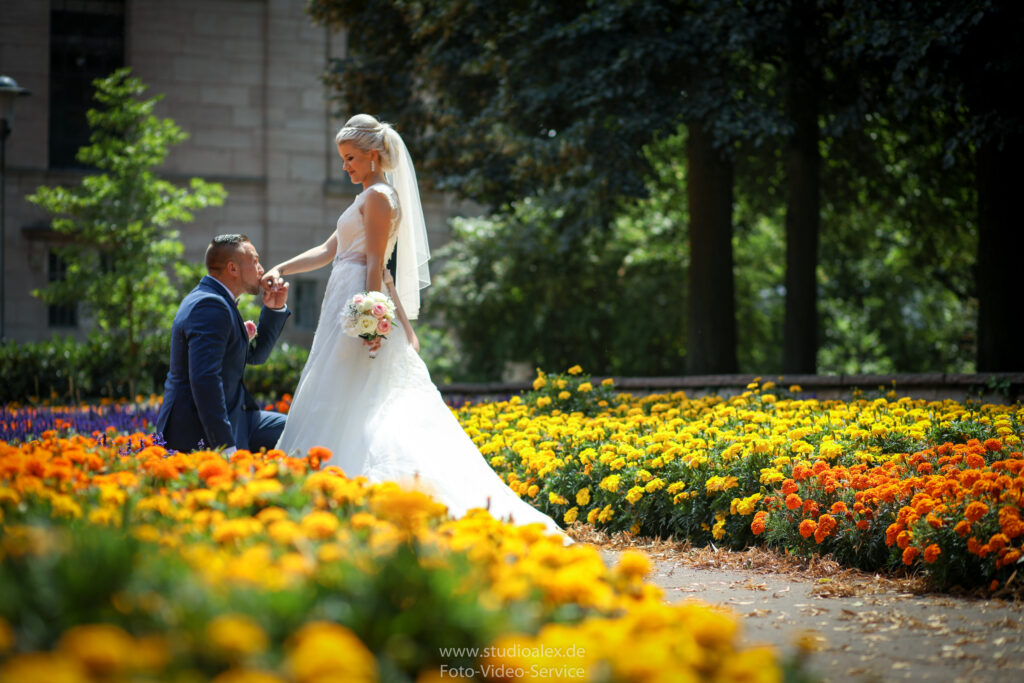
(204, 398)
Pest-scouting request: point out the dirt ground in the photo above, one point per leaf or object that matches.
(855, 626)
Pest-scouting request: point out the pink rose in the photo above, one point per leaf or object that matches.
(250, 329)
(379, 310)
(358, 299)
(383, 326)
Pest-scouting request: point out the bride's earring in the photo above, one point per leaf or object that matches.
(373, 166)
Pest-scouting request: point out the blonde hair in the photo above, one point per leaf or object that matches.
(368, 134)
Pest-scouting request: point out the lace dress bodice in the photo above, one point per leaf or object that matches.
(351, 231)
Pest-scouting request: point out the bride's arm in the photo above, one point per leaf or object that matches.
(311, 259)
(377, 219)
(402, 317)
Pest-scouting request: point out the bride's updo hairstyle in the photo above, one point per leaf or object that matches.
(368, 134)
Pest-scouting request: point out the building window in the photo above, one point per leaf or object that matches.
(60, 315)
(305, 304)
(86, 43)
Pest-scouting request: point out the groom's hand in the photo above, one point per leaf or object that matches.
(276, 295)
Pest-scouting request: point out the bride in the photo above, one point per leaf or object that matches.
(381, 416)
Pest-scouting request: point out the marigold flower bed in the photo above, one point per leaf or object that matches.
(121, 561)
(879, 484)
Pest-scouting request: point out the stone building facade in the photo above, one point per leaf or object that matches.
(242, 77)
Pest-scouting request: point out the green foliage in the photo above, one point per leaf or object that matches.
(570, 392)
(121, 246)
(72, 370)
(280, 374)
(513, 290)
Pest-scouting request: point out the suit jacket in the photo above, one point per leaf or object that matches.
(204, 398)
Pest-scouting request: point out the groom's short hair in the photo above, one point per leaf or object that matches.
(222, 249)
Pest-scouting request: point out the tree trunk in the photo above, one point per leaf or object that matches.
(1000, 253)
(711, 301)
(803, 210)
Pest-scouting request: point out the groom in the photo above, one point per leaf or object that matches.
(204, 399)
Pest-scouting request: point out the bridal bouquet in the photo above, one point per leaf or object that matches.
(368, 315)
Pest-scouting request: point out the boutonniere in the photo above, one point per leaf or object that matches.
(250, 329)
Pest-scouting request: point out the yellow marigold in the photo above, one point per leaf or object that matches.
(611, 483)
(655, 484)
(557, 499)
(585, 387)
(539, 383)
(543, 401)
(320, 524)
(633, 564)
(532, 490)
(51, 667)
(575, 370)
(719, 483)
(583, 496)
(570, 515)
(9, 496)
(606, 514)
(563, 395)
(718, 530)
(236, 635)
(6, 636)
(244, 675)
(327, 651)
(592, 516)
(607, 382)
(635, 494)
(103, 649)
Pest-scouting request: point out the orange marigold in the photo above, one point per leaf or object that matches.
(932, 552)
(839, 508)
(793, 501)
(934, 522)
(903, 539)
(891, 532)
(962, 528)
(759, 522)
(808, 527)
(789, 486)
(910, 554)
(975, 511)
(993, 445)
(998, 542)
(862, 525)
(1011, 557)
(801, 472)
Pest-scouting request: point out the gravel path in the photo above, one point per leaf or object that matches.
(863, 628)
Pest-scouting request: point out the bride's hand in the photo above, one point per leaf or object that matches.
(271, 280)
(373, 344)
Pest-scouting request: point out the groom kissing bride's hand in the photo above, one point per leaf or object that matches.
(205, 403)
(274, 290)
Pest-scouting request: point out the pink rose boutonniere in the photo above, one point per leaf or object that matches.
(250, 329)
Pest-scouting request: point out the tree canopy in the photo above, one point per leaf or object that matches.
(821, 114)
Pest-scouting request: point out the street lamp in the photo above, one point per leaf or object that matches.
(9, 92)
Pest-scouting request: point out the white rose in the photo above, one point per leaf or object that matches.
(367, 324)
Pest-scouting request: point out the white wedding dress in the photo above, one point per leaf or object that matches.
(383, 417)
